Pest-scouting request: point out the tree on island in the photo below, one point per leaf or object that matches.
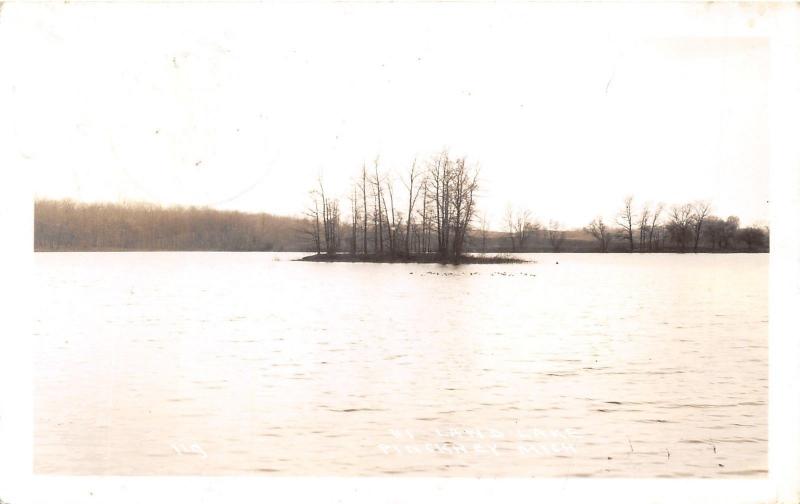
(446, 210)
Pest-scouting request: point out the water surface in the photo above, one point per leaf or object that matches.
(250, 363)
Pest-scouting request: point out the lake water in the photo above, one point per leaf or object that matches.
(250, 363)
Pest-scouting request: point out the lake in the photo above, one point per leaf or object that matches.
(603, 365)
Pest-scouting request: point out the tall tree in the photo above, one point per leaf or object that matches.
(363, 188)
(700, 210)
(625, 221)
(598, 229)
(439, 174)
(424, 214)
(555, 235)
(643, 219)
(484, 221)
(312, 214)
(524, 228)
(413, 193)
(511, 226)
(680, 225)
(389, 212)
(465, 184)
(376, 188)
(653, 225)
(354, 215)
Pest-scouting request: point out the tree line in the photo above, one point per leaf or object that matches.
(433, 214)
(687, 227)
(65, 225)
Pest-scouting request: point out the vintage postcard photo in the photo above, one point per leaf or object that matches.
(392, 241)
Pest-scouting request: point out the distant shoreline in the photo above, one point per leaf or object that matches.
(69, 226)
(397, 259)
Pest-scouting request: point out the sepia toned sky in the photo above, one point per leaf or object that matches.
(567, 108)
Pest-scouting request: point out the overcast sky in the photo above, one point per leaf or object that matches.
(567, 109)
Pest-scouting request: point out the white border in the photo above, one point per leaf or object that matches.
(18, 485)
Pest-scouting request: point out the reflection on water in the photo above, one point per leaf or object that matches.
(226, 363)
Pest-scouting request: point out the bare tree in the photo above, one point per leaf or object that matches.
(680, 225)
(378, 195)
(439, 173)
(363, 187)
(600, 232)
(354, 214)
(465, 184)
(312, 213)
(413, 193)
(330, 219)
(625, 221)
(524, 227)
(521, 227)
(451, 185)
(391, 226)
(425, 237)
(700, 211)
(555, 235)
(653, 226)
(644, 217)
(484, 222)
(511, 225)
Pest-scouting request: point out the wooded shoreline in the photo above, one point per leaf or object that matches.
(69, 226)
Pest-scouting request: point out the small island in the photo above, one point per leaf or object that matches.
(415, 258)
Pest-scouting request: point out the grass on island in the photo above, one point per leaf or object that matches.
(414, 258)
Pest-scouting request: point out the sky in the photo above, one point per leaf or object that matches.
(566, 108)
